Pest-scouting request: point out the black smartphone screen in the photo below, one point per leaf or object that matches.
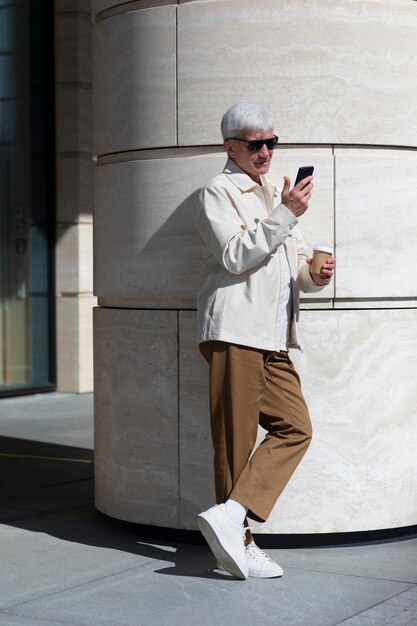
(303, 172)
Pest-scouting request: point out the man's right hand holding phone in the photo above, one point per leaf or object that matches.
(297, 199)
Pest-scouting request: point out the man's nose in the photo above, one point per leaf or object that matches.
(264, 151)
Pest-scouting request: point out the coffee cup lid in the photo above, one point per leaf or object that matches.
(324, 249)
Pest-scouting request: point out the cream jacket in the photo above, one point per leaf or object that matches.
(241, 225)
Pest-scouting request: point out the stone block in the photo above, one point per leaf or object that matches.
(145, 249)
(73, 48)
(136, 415)
(67, 6)
(111, 8)
(324, 72)
(97, 6)
(74, 259)
(358, 472)
(73, 119)
(74, 193)
(376, 222)
(134, 98)
(75, 343)
(196, 451)
(349, 479)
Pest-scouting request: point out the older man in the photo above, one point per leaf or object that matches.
(256, 263)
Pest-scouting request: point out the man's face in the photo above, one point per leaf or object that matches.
(253, 163)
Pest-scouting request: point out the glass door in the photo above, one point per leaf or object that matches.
(26, 197)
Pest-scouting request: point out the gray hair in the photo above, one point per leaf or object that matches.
(247, 116)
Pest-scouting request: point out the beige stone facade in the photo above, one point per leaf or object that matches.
(74, 196)
(341, 79)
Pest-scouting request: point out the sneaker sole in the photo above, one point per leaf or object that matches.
(223, 557)
(264, 575)
(253, 574)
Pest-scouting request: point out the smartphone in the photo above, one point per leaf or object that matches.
(303, 172)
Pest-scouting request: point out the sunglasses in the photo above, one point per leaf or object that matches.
(256, 144)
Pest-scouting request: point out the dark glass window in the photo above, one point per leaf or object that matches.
(26, 196)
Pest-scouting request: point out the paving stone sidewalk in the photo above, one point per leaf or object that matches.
(63, 563)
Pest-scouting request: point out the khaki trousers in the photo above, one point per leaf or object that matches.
(250, 387)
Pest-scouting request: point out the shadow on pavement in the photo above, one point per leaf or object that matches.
(48, 488)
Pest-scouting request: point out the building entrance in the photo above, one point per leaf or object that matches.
(26, 197)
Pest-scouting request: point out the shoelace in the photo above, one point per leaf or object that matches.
(258, 554)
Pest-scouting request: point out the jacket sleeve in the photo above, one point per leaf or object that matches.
(227, 237)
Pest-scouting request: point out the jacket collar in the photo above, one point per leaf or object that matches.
(239, 178)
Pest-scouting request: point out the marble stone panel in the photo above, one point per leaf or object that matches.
(375, 303)
(134, 68)
(73, 48)
(73, 118)
(196, 451)
(136, 415)
(66, 6)
(360, 469)
(146, 252)
(376, 223)
(74, 258)
(332, 74)
(75, 343)
(74, 193)
(85, 343)
(145, 249)
(110, 7)
(97, 6)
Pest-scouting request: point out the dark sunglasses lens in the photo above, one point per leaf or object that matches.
(257, 144)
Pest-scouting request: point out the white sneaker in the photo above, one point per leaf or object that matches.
(225, 539)
(260, 565)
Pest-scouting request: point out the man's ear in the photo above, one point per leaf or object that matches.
(228, 146)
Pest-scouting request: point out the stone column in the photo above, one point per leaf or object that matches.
(74, 227)
(341, 81)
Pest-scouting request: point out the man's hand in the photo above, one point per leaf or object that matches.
(298, 198)
(326, 272)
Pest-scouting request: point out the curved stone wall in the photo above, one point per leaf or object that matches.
(341, 78)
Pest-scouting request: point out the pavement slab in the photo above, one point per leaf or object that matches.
(389, 560)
